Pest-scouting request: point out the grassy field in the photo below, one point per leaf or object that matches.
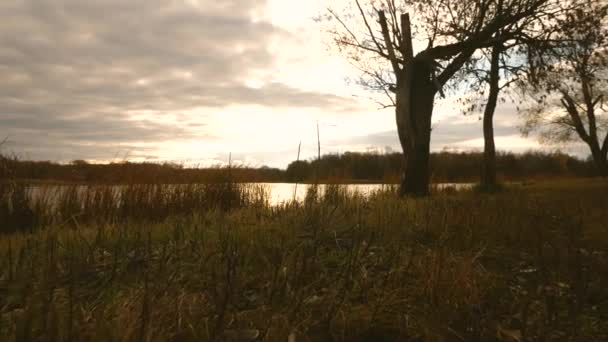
(219, 264)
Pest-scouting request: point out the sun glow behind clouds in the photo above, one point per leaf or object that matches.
(305, 61)
(302, 62)
(270, 136)
(191, 81)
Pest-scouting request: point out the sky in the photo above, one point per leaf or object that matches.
(194, 81)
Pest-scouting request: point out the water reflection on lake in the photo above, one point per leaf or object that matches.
(283, 192)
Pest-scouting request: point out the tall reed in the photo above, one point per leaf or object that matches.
(25, 207)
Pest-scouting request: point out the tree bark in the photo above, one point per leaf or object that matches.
(604, 154)
(415, 98)
(599, 159)
(488, 177)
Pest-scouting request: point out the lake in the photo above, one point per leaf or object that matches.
(277, 192)
(282, 192)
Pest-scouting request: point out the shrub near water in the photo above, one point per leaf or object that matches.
(520, 265)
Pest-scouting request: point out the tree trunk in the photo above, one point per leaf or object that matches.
(488, 177)
(599, 160)
(415, 98)
(603, 166)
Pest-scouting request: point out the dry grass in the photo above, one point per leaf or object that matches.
(529, 263)
(25, 208)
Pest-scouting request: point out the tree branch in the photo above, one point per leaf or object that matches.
(589, 103)
(454, 66)
(369, 29)
(362, 47)
(355, 41)
(483, 38)
(570, 107)
(389, 45)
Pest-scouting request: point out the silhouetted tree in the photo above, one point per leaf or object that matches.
(568, 83)
(454, 29)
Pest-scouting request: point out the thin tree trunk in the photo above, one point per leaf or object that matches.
(488, 177)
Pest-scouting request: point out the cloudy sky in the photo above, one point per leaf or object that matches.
(192, 81)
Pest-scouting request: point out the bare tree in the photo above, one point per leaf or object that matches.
(485, 77)
(568, 82)
(492, 78)
(381, 43)
(493, 72)
(499, 67)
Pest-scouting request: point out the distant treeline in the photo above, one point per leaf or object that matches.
(338, 168)
(140, 173)
(445, 166)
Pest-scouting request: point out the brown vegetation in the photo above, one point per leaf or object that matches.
(526, 264)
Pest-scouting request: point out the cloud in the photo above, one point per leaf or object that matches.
(76, 73)
(192, 80)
